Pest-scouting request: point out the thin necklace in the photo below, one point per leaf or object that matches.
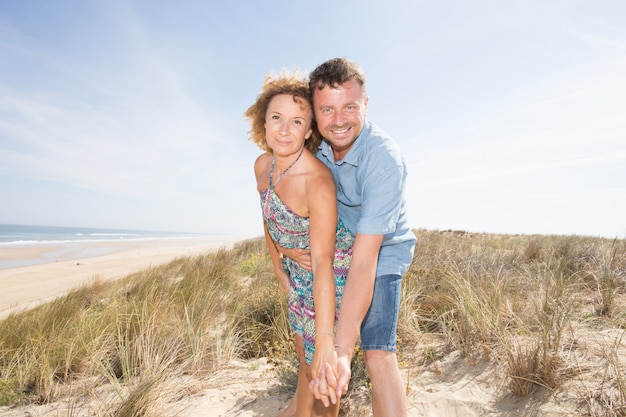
(282, 173)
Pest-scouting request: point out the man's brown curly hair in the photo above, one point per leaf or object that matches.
(335, 72)
(288, 82)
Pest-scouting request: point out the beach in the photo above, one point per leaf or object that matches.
(50, 269)
(439, 380)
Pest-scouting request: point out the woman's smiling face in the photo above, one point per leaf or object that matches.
(287, 123)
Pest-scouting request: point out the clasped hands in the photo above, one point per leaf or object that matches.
(331, 382)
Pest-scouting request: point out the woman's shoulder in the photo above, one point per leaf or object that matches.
(263, 160)
(265, 156)
(315, 164)
(316, 170)
(318, 176)
(262, 165)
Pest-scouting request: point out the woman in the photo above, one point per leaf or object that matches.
(299, 210)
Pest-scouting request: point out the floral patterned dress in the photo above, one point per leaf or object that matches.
(292, 231)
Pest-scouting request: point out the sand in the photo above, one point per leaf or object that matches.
(63, 267)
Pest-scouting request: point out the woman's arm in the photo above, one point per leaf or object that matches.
(322, 205)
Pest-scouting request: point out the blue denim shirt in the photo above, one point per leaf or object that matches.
(370, 195)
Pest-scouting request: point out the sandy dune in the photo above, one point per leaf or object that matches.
(26, 286)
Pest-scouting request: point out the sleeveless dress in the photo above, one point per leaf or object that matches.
(292, 231)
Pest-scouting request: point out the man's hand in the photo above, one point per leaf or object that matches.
(300, 256)
(343, 372)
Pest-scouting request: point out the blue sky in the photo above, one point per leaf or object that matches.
(128, 114)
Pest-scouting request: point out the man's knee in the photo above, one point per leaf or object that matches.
(377, 361)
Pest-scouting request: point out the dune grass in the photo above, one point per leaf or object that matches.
(538, 308)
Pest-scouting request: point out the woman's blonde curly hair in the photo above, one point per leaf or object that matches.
(287, 82)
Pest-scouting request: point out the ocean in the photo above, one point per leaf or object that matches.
(63, 243)
(20, 235)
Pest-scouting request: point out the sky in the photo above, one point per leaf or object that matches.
(511, 115)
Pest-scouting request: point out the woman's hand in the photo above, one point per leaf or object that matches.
(324, 367)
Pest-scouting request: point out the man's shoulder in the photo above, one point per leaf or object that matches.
(379, 144)
(375, 131)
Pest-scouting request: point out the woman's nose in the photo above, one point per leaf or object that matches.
(284, 127)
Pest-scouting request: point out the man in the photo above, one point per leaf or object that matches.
(370, 174)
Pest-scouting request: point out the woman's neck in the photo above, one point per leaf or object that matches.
(284, 163)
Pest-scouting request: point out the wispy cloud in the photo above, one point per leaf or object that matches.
(133, 130)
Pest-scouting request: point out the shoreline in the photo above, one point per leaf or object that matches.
(46, 271)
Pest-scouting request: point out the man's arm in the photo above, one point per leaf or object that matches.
(300, 256)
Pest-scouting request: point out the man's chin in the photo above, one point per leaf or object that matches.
(340, 140)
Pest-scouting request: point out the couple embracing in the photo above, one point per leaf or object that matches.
(332, 188)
